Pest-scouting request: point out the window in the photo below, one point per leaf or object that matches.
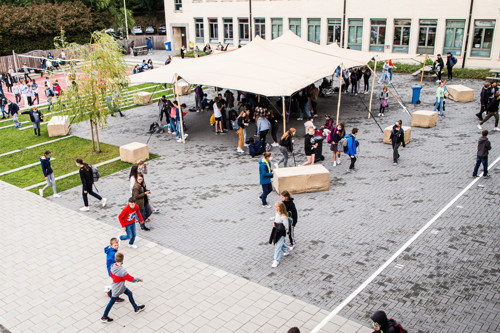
(178, 5)
(199, 31)
(483, 37)
(295, 26)
(454, 37)
(355, 34)
(313, 30)
(377, 35)
(427, 36)
(334, 31)
(276, 27)
(401, 36)
(244, 30)
(260, 27)
(213, 30)
(228, 31)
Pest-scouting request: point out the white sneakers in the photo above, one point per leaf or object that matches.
(103, 201)
(84, 209)
(132, 246)
(56, 195)
(275, 144)
(479, 126)
(266, 206)
(40, 191)
(239, 150)
(276, 166)
(334, 163)
(496, 129)
(275, 263)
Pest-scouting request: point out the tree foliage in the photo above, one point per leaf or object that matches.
(98, 80)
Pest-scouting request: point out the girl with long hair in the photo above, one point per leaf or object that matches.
(87, 178)
(286, 146)
(278, 234)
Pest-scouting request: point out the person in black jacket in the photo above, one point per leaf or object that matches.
(333, 138)
(485, 94)
(492, 111)
(397, 138)
(48, 173)
(13, 110)
(292, 212)
(483, 149)
(381, 323)
(310, 146)
(438, 66)
(87, 178)
(36, 117)
(366, 78)
(286, 146)
(243, 121)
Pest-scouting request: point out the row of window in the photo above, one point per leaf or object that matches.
(454, 33)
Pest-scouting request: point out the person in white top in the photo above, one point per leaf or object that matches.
(278, 234)
(218, 115)
(309, 123)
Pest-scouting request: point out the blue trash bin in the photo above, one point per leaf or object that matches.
(415, 99)
(168, 46)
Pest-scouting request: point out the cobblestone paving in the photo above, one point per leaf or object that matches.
(208, 197)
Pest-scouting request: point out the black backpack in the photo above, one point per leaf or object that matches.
(397, 327)
(153, 127)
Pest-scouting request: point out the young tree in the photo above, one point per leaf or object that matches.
(97, 75)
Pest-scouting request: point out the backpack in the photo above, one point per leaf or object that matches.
(397, 327)
(342, 145)
(234, 124)
(95, 173)
(153, 126)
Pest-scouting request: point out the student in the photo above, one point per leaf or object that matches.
(150, 64)
(110, 252)
(309, 123)
(328, 126)
(484, 99)
(354, 82)
(385, 73)
(278, 234)
(218, 115)
(381, 323)
(149, 45)
(173, 113)
(255, 147)
(352, 146)
(334, 138)
(140, 194)
(87, 178)
(141, 168)
(397, 138)
(204, 102)
(26, 71)
(310, 145)
(16, 90)
(129, 215)
(13, 110)
(274, 119)
(483, 148)
(3, 105)
(198, 96)
(179, 129)
(34, 92)
(36, 117)
(438, 67)
(48, 174)
(243, 121)
(120, 276)
(286, 146)
(450, 62)
(183, 51)
(263, 127)
(384, 95)
(366, 78)
(391, 66)
(266, 173)
(292, 212)
(439, 98)
(492, 111)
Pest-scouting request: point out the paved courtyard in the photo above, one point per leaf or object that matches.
(446, 281)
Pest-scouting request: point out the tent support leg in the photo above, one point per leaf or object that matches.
(180, 109)
(340, 93)
(423, 71)
(373, 85)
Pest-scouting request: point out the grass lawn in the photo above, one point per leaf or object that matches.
(12, 139)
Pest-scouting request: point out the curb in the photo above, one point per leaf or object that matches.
(3, 329)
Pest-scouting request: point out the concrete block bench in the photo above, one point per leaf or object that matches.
(143, 98)
(459, 93)
(424, 118)
(183, 88)
(310, 178)
(134, 152)
(388, 131)
(58, 126)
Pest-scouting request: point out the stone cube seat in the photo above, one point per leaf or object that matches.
(143, 98)
(58, 126)
(310, 178)
(133, 152)
(424, 118)
(459, 93)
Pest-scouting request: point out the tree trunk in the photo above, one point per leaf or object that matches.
(92, 131)
(97, 137)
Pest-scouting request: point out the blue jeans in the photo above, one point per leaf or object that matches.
(131, 233)
(266, 189)
(146, 212)
(172, 125)
(390, 73)
(279, 247)
(385, 76)
(439, 101)
(306, 109)
(484, 161)
(3, 111)
(113, 300)
(178, 129)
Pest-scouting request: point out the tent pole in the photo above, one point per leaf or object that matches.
(423, 71)
(340, 92)
(179, 106)
(373, 85)
(284, 114)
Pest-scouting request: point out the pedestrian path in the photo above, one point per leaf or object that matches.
(53, 277)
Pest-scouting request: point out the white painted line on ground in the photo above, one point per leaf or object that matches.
(34, 146)
(70, 174)
(395, 255)
(23, 167)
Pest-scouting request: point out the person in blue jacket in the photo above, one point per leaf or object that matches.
(150, 45)
(48, 174)
(266, 173)
(110, 252)
(352, 146)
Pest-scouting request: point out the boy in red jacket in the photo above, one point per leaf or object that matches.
(127, 219)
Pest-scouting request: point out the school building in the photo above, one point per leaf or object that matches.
(466, 28)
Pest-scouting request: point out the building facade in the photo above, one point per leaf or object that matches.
(469, 29)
